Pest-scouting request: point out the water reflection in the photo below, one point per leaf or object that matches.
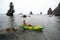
(11, 21)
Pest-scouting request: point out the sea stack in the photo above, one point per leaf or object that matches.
(31, 13)
(56, 11)
(49, 11)
(41, 13)
(11, 10)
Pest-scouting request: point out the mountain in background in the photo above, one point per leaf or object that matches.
(56, 11)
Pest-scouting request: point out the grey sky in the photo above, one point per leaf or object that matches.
(25, 6)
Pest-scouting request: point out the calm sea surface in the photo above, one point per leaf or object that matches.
(51, 27)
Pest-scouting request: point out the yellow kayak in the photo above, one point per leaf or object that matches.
(32, 27)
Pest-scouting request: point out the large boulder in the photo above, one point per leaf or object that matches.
(24, 16)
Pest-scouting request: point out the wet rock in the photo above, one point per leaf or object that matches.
(29, 16)
(21, 14)
(2, 36)
(8, 29)
(24, 16)
(11, 30)
(14, 30)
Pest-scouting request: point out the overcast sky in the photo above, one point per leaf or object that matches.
(25, 6)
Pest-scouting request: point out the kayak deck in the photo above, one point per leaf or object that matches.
(40, 28)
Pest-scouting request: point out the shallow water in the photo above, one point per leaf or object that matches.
(51, 27)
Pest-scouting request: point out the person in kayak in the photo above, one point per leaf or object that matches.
(24, 22)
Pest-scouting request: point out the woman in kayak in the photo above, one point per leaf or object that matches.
(24, 22)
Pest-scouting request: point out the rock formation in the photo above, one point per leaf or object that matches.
(41, 13)
(49, 11)
(11, 10)
(31, 13)
(56, 11)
